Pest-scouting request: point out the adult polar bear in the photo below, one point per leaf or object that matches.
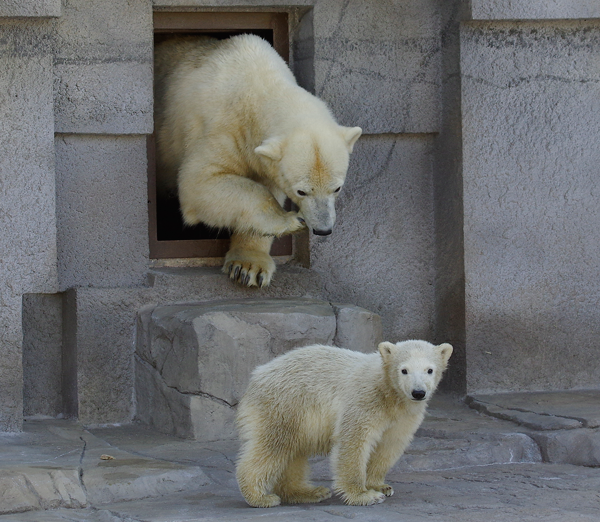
(235, 136)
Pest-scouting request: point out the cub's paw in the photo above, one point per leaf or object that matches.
(306, 496)
(366, 498)
(249, 268)
(264, 501)
(386, 489)
(322, 493)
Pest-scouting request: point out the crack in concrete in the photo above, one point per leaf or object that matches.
(203, 394)
(80, 468)
(231, 461)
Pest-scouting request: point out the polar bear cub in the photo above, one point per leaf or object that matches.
(363, 409)
(236, 136)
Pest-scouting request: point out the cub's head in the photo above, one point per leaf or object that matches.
(310, 167)
(414, 368)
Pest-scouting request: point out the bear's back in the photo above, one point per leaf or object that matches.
(318, 372)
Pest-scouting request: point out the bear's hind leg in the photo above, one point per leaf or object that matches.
(248, 261)
(256, 473)
(294, 486)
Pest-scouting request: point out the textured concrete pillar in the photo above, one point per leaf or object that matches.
(531, 121)
(27, 203)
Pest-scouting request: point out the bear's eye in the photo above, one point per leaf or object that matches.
(337, 190)
(430, 371)
(404, 371)
(301, 193)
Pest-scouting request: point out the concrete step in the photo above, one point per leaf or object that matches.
(565, 425)
(193, 361)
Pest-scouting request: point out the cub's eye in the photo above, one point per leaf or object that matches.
(404, 371)
(337, 190)
(301, 193)
(430, 371)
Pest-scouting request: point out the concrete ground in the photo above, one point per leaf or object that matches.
(507, 458)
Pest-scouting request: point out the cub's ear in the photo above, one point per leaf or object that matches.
(385, 349)
(445, 350)
(271, 148)
(351, 134)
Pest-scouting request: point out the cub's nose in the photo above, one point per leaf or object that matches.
(418, 395)
(321, 232)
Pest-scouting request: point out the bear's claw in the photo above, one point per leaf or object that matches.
(248, 274)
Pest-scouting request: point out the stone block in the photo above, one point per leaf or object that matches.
(381, 253)
(356, 328)
(30, 8)
(104, 67)
(534, 9)
(195, 362)
(102, 210)
(531, 114)
(42, 354)
(104, 98)
(578, 447)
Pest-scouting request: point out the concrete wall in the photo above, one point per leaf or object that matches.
(469, 213)
(381, 253)
(531, 122)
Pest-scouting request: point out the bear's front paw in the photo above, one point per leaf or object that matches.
(293, 222)
(249, 268)
(365, 498)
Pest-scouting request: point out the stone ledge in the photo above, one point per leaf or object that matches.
(534, 10)
(30, 8)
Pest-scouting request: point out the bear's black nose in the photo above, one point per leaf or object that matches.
(321, 232)
(419, 395)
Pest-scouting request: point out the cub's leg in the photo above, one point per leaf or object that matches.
(294, 486)
(386, 453)
(349, 461)
(223, 199)
(257, 471)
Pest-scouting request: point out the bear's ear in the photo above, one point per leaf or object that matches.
(351, 134)
(270, 148)
(445, 350)
(385, 349)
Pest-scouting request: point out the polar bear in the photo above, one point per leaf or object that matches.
(235, 136)
(362, 408)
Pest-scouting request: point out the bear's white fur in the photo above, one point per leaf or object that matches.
(362, 408)
(235, 136)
